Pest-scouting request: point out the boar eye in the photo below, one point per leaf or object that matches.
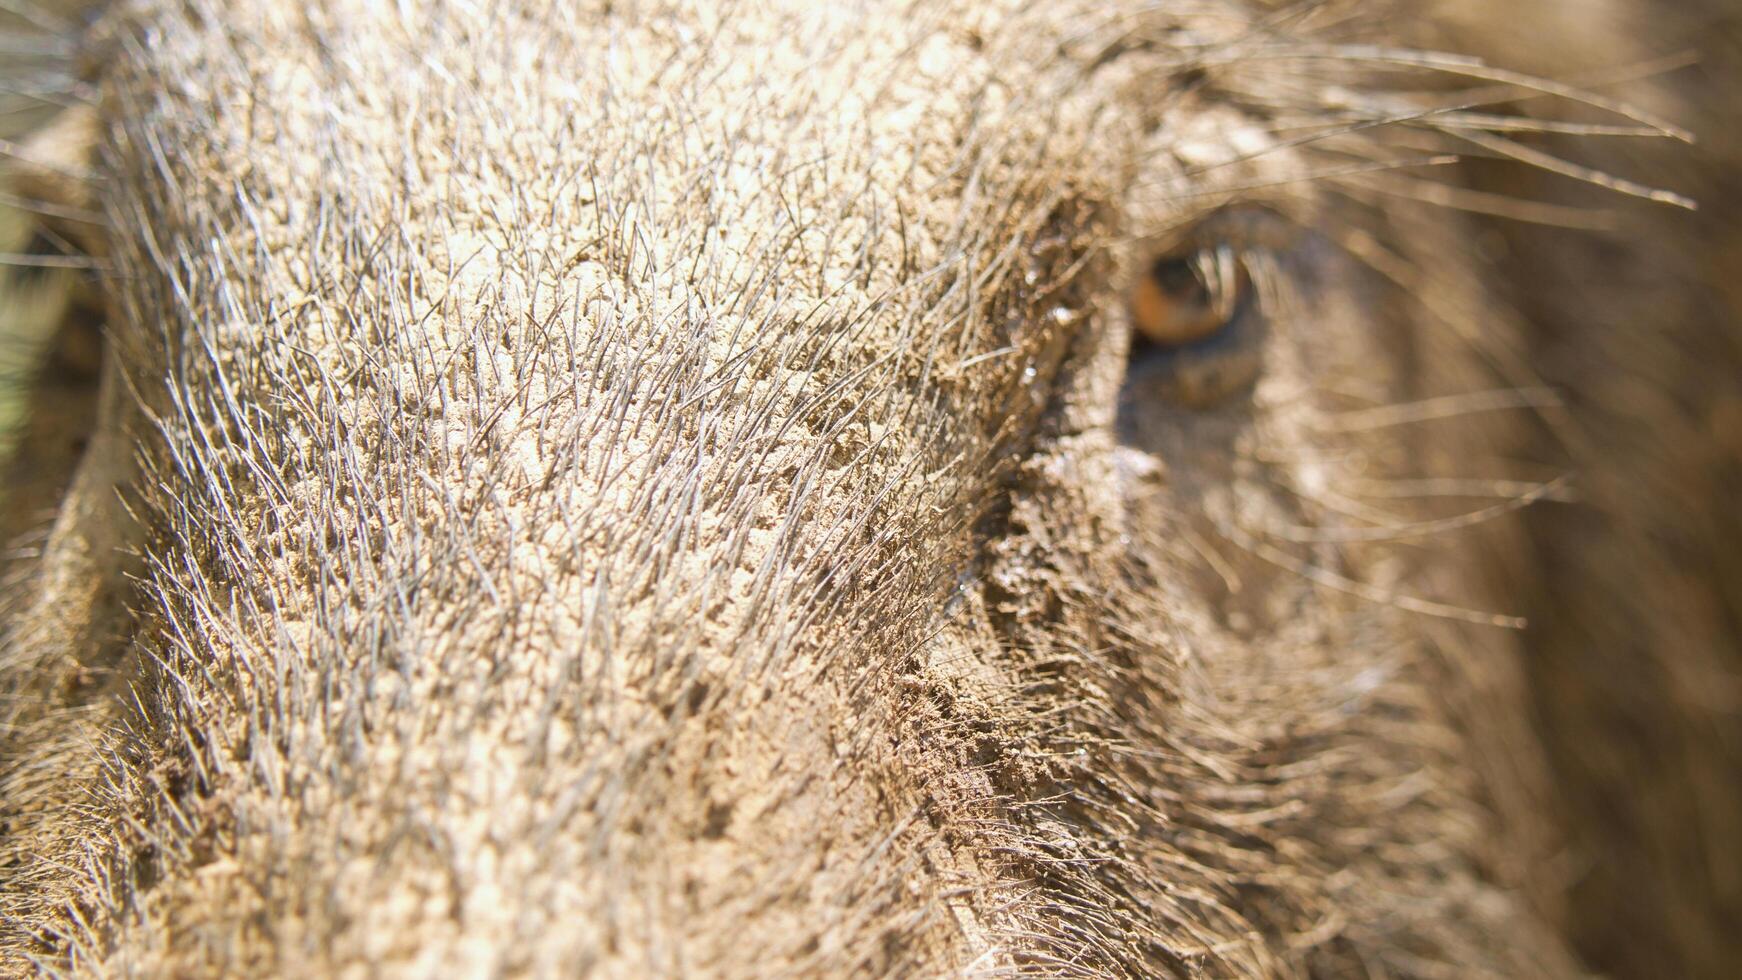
(1198, 326)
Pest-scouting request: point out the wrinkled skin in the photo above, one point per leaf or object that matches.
(666, 489)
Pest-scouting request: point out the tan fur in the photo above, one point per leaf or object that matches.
(657, 489)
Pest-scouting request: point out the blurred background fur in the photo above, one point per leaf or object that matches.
(1634, 592)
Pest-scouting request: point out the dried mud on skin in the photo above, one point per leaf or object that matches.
(657, 491)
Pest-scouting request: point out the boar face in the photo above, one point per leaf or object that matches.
(755, 489)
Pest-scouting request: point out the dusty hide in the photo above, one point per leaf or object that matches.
(664, 489)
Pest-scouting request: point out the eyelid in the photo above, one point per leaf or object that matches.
(1205, 373)
(1243, 227)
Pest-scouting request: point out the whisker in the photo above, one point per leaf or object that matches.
(30, 261)
(17, 151)
(1449, 487)
(1469, 68)
(1553, 164)
(1495, 123)
(1638, 71)
(1313, 175)
(1320, 575)
(1416, 529)
(50, 209)
(1486, 203)
(1316, 137)
(1448, 406)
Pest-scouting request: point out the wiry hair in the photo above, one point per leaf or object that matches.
(648, 490)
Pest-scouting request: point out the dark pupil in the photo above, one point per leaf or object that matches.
(1179, 278)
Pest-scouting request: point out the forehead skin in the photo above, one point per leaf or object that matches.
(635, 488)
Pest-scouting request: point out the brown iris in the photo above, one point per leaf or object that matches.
(1200, 334)
(1187, 298)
